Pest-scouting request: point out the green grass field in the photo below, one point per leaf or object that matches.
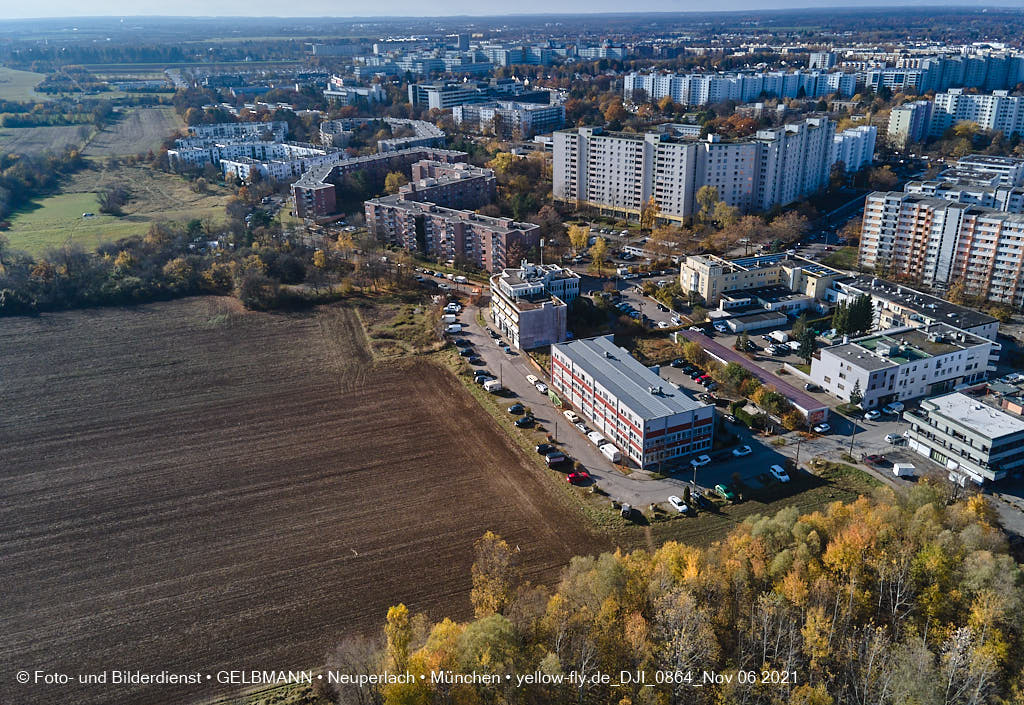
(55, 220)
(155, 196)
(19, 85)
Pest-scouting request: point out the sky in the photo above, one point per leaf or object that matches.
(13, 9)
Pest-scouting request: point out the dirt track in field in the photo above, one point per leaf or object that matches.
(188, 487)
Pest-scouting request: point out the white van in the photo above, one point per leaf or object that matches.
(453, 328)
(596, 438)
(532, 379)
(611, 452)
(492, 386)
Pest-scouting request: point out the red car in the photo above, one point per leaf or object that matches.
(574, 478)
(703, 378)
(874, 459)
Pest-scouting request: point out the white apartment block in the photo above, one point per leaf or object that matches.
(338, 92)
(705, 89)
(939, 243)
(276, 130)
(996, 111)
(909, 123)
(1009, 199)
(529, 304)
(618, 172)
(854, 147)
(902, 363)
(1006, 171)
(645, 417)
(823, 60)
(509, 118)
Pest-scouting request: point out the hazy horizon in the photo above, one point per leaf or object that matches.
(71, 9)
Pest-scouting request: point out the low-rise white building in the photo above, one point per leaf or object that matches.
(529, 304)
(645, 417)
(902, 364)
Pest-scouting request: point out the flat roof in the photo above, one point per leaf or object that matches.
(970, 412)
(623, 375)
(762, 316)
(932, 306)
(855, 354)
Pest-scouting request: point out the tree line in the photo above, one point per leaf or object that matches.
(895, 598)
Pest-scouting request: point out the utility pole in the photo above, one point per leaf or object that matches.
(853, 435)
(799, 441)
(542, 251)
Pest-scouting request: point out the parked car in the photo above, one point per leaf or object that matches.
(582, 428)
(872, 415)
(466, 352)
(544, 448)
(677, 363)
(524, 422)
(575, 478)
(476, 360)
(532, 379)
(874, 459)
(822, 428)
(893, 408)
(626, 511)
(741, 451)
(678, 505)
(696, 373)
(725, 492)
(571, 415)
(516, 409)
(730, 418)
(812, 388)
(779, 473)
(541, 387)
(894, 438)
(700, 461)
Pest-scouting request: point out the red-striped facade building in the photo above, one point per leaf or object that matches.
(647, 418)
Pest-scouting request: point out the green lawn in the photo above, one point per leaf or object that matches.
(842, 258)
(19, 85)
(52, 221)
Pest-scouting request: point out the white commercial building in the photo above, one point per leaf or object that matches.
(969, 437)
(902, 363)
(529, 304)
(648, 419)
(854, 147)
(618, 172)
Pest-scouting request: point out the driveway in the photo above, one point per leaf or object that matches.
(797, 396)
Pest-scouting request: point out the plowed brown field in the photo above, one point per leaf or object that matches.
(189, 487)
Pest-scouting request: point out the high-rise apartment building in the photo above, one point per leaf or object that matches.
(618, 172)
(705, 89)
(940, 243)
(998, 111)
(854, 147)
(909, 123)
